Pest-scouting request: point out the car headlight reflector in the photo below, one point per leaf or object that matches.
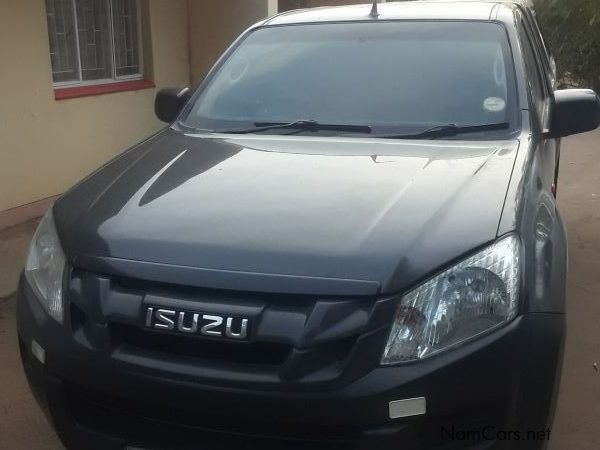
(472, 297)
(46, 266)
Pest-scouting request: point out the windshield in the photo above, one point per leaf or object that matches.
(393, 77)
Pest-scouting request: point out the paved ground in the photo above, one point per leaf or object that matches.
(577, 424)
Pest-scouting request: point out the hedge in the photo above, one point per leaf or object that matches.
(572, 28)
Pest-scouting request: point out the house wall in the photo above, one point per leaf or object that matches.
(47, 145)
(286, 5)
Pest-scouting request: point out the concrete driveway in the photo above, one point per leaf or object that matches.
(23, 426)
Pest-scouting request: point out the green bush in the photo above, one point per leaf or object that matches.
(572, 28)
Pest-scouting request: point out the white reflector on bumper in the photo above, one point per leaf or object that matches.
(38, 351)
(408, 407)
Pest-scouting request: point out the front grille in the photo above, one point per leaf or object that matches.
(296, 340)
(161, 427)
(169, 346)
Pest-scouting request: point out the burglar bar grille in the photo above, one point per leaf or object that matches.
(126, 37)
(94, 40)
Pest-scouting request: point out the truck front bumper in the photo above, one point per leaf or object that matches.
(494, 393)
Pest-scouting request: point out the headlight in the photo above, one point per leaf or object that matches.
(473, 297)
(45, 267)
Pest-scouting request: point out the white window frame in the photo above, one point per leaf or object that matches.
(115, 78)
(272, 7)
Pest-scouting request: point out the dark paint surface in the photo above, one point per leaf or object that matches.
(382, 211)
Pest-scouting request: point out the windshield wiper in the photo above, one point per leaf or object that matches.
(302, 125)
(448, 130)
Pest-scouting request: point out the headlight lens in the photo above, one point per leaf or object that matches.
(474, 296)
(45, 267)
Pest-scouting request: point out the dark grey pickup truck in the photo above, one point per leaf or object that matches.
(347, 238)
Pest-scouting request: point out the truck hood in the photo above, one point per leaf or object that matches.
(384, 212)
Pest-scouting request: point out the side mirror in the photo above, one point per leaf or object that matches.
(169, 102)
(575, 111)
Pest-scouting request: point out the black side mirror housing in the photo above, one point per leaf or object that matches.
(169, 102)
(575, 111)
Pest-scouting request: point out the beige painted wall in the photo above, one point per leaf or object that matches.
(47, 145)
(286, 5)
(214, 25)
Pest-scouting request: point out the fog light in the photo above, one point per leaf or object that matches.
(407, 408)
(38, 351)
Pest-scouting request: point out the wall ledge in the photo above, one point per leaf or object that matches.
(20, 214)
(66, 93)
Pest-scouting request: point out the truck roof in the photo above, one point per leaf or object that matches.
(407, 10)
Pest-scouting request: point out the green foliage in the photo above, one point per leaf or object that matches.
(572, 28)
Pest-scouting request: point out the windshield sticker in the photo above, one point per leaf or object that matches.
(494, 104)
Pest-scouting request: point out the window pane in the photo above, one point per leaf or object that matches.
(125, 26)
(94, 39)
(63, 42)
(533, 75)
